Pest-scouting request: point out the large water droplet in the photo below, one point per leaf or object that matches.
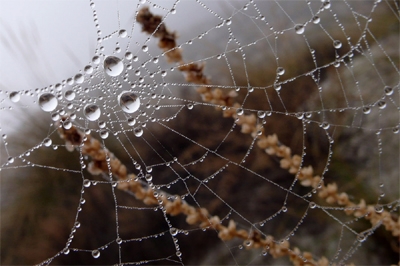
(129, 102)
(15, 96)
(113, 66)
(388, 90)
(280, 71)
(48, 102)
(92, 112)
(316, 19)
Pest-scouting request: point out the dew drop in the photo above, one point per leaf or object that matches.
(316, 19)
(96, 253)
(15, 96)
(66, 251)
(325, 125)
(119, 241)
(361, 238)
(88, 69)
(113, 66)
(149, 169)
(261, 114)
(396, 130)
(79, 78)
(96, 60)
(337, 44)
(299, 29)
(69, 95)
(382, 104)
(240, 111)
(92, 112)
(280, 71)
(86, 183)
(173, 231)
(148, 177)
(122, 33)
(190, 106)
(131, 121)
(313, 205)
(129, 102)
(48, 102)
(67, 124)
(128, 55)
(138, 132)
(366, 110)
(378, 208)
(388, 90)
(145, 48)
(10, 159)
(284, 209)
(104, 133)
(47, 142)
(77, 224)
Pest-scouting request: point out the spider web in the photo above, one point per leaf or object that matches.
(200, 132)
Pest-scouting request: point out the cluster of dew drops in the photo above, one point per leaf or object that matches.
(112, 66)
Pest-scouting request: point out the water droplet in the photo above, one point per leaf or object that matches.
(299, 29)
(313, 205)
(47, 142)
(388, 90)
(122, 33)
(101, 124)
(138, 132)
(131, 121)
(96, 60)
(15, 96)
(382, 104)
(261, 114)
(367, 110)
(336, 64)
(325, 125)
(92, 112)
(113, 66)
(67, 124)
(129, 102)
(173, 231)
(240, 111)
(128, 55)
(66, 251)
(228, 22)
(145, 48)
(149, 169)
(190, 106)
(104, 133)
(361, 238)
(280, 71)
(10, 159)
(69, 95)
(77, 224)
(48, 102)
(316, 19)
(284, 209)
(96, 253)
(119, 241)
(86, 183)
(88, 69)
(337, 44)
(379, 208)
(396, 130)
(148, 177)
(79, 78)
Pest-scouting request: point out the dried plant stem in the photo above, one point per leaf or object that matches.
(105, 162)
(193, 72)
